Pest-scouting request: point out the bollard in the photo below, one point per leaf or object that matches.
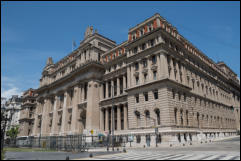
(117, 149)
(67, 158)
(170, 145)
(124, 150)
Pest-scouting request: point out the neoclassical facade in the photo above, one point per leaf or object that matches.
(27, 113)
(155, 79)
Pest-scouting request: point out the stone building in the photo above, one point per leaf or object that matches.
(13, 106)
(156, 78)
(27, 113)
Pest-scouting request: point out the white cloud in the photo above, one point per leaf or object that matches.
(9, 87)
(12, 91)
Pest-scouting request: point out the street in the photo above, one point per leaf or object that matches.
(219, 150)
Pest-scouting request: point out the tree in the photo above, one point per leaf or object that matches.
(13, 133)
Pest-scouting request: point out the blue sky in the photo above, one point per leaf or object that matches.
(33, 31)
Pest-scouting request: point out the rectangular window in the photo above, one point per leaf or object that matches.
(137, 80)
(146, 96)
(145, 77)
(155, 94)
(154, 75)
(144, 63)
(135, 50)
(152, 42)
(154, 59)
(137, 98)
(136, 66)
(143, 46)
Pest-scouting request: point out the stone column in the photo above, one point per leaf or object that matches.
(74, 121)
(184, 75)
(54, 130)
(35, 128)
(124, 83)
(45, 118)
(93, 110)
(101, 91)
(64, 114)
(178, 72)
(83, 92)
(118, 86)
(172, 76)
(112, 88)
(158, 66)
(131, 76)
(163, 66)
(125, 117)
(178, 118)
(128, 76)
(106, 119)
(118, 118)
(106, 89)
(184, 116)
(150, 74)
(102, 120)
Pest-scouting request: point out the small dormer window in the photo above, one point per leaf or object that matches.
(142, 33)
(135, 50)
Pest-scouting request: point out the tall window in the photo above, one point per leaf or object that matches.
(175, 116)
(147, 114)
(138, 118)
(146, 96)
(154, 59)
(136, 66)
(144, 63)
(98, 56)
(143, 46)
(145, 77)
(135, 50)
(85, 90)
(154, 75)
(137, 98)
(137, 80)
(155, 94)
(157, 111)
(181, 117)
(152, 42)
(187, 118)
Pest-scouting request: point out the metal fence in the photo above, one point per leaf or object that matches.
(71, 142)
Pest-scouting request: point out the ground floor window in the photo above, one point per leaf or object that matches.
(138, 139)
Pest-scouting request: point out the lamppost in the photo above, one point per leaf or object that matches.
(6, 119)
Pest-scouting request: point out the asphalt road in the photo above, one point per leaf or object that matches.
(230, 146)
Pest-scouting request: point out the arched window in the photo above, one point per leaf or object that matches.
(187, 117)
(181, 115)
(198, 121)
(138, 118)
(157, 112)
(175, 116)
(147, 114)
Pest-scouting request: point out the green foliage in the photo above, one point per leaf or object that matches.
(13, 132)
(2, 155)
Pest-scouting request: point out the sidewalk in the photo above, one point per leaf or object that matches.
(225, 138)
